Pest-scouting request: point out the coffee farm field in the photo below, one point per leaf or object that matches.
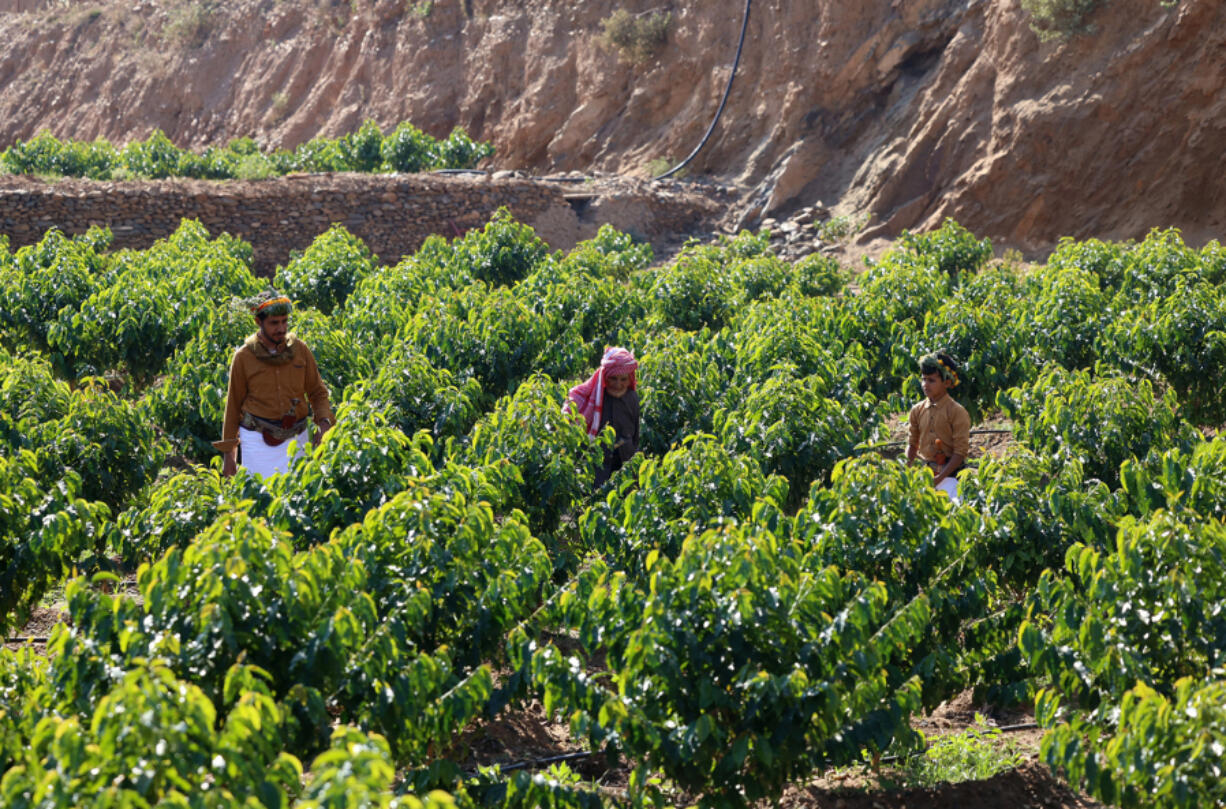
(757, 598)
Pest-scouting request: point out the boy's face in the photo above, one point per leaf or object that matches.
(934, 386)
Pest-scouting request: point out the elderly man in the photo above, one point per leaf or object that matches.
(274, 385)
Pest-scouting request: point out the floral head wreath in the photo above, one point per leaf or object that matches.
(271, 303)
(942, 365)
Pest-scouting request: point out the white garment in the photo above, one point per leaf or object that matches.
(262, 459)
(950, 487)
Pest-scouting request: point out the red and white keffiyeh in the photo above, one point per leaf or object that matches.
(587, 398)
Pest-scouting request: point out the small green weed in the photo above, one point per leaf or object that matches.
(1061, 19)
(839, 229)
(280, 105)
(659, 165)
(977, 753)
(188, 25)
(254, 167)
(635, 36)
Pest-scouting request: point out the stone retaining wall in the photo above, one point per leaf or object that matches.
(393, 214)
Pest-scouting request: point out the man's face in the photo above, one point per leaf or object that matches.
(616, 385)
(934, 386)
(275, 327)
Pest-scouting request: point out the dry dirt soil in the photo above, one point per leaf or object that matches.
(906, 111)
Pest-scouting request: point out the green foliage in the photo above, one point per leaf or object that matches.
(760, 277)
(1059, 19)
(324, 274)
(551, 449)
(886, 522)
(41, 279)
(1039, 505)
(459, 151)
(635, 36)
(1189, 483)
(459, 578)
(610, 253)
(181, 747)
(883, 520)
(1066, 314)
(1148, 611)
(502, 252)
(951, 249)
(44, 528)
(358, 772)
(44, 154)
(1142, 633)
(385, 300)
(1153, 268)
(975, 325)
(478, 332)
(362, 150)
(406, 149)
(723, 643)
(696, 486)
(343, 357)
(586, 314)
(155, 157)
(693, 292)
(1165, 752)
(975, 754)
(797, 333)
(150, 304)
(726, 665)
(188, 402)
(359, 465)
(29, 392)
(839, 229)
(683, 377)
(109, 442)
(791, 428)
(170, 513)
(412, 394)
(816, 274)
(1098, 422)
(1183, 338)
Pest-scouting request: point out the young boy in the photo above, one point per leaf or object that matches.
(940, 427)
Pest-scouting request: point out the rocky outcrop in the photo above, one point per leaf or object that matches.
(905, 110)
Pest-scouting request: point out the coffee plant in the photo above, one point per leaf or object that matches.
(1098, 422)
(763, 592)
(405, 149)
(323, 275)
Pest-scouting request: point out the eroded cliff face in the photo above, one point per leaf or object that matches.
(910, 110)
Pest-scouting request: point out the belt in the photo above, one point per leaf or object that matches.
(274, 432)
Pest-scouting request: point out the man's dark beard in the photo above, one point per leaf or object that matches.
(268, 339)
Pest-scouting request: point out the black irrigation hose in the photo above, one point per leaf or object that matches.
(727, 90)
(889, 444)
(543, 762)
(27, 640)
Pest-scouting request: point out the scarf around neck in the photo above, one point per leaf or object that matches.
(587, 398)
(262, 354)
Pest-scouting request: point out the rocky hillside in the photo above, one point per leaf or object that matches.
(907, 110)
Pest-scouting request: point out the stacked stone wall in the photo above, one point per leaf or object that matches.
(393, 214)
